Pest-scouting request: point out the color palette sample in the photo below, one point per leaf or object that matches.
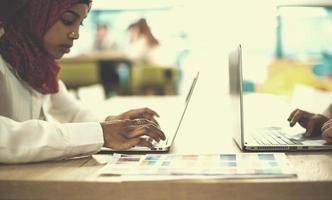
(228, 165)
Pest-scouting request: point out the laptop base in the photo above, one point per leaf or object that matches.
(136, 151)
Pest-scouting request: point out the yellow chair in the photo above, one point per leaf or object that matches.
(76, 73)
(284, 75)
(150, 79)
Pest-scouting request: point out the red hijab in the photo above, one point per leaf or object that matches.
(22, 44)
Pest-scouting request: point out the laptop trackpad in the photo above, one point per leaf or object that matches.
(309, 141)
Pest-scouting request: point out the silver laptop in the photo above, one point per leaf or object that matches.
(170, 122)
(264, 138)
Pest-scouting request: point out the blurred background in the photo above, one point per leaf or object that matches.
(154, 47)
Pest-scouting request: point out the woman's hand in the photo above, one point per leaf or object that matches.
(124, 134)
(310, 121)
(141, 113)
(327, 131)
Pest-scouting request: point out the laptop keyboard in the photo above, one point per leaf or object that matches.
(272, 137)
(161, 143)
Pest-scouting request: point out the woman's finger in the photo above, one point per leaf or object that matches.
(144, 143)
(150, 112)
(147, 130)
(139, 127)
(326, 125)
(295, 118)
(327, 133)
(151, 118)
(292, 115)
(138, 122)
(129, 143)
(310, 128)
(140, 113)
(143, 113)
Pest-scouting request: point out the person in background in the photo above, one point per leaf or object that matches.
(143, 45)
(107, 67)
(102, 40)
(145, 50)
(315, 124)
(39, 120)
(142, 42)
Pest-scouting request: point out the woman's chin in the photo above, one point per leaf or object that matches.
(57, 56)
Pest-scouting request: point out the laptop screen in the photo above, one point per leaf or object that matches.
(235, 90)
(187, 100)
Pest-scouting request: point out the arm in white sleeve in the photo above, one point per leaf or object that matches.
(38, 140)
(65, 108)
(328, 111)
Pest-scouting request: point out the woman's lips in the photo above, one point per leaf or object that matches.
(65, 48)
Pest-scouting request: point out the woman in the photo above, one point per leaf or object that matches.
(315, 124)
(144, 46)
(142, 41)
(38, 119)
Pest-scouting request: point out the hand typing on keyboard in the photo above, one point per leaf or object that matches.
(310, 121)
(129, 129)
(327, 130)
(152, 141)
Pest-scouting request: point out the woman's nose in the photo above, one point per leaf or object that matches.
(74, 35)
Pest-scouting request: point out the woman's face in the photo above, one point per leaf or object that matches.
(133, 34)
(60, 37)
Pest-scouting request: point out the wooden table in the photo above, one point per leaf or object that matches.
(207, 126)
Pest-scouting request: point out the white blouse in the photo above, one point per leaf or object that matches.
(36, 127)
